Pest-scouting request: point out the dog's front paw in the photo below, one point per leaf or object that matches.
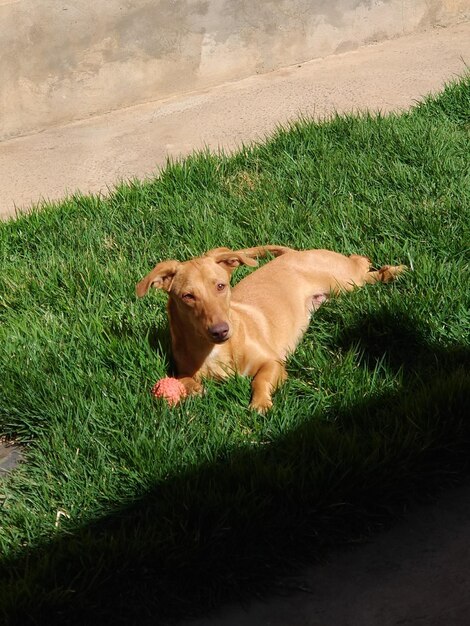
(192, 387)
(261, 405)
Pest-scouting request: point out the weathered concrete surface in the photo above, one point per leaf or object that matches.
(417, 573)
(10, 456)
(66, 60)
(93, 154)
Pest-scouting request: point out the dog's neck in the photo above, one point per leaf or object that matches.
(190, 349)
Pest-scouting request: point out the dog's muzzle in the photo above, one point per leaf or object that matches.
(219, 332)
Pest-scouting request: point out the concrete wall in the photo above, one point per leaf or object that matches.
(63, 60)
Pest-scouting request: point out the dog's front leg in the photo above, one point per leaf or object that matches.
(269, 376)
(192, 386)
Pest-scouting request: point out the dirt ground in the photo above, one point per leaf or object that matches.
(94, 154)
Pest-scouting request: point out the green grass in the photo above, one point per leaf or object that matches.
(168, 511)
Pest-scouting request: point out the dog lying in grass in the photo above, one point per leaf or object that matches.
(252, 328)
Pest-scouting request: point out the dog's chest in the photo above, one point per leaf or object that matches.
(218, 363)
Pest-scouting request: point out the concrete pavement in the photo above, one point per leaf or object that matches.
(94, 154)
(415, 574)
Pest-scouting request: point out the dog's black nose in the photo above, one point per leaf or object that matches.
(219, 332)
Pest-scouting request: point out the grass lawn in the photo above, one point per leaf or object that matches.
(125, 507)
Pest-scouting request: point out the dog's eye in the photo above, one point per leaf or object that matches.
(220, 286)
(188, 297)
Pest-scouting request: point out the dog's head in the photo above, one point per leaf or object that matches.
(200, 289)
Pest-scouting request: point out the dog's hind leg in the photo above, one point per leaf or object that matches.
(385, 274)
(363, 274)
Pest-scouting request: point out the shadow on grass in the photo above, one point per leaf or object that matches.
(158, 338)
(160, 342)
(233, 527)
(405, 346)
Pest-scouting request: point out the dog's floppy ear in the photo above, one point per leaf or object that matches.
(262, 251)
(231, 259)
(160, 277)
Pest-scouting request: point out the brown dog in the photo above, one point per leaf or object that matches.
(252, 328)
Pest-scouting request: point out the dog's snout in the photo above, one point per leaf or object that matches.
(219, 332)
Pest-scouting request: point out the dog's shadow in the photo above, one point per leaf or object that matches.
(158, 337)
(159, 340)
(400, 341)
